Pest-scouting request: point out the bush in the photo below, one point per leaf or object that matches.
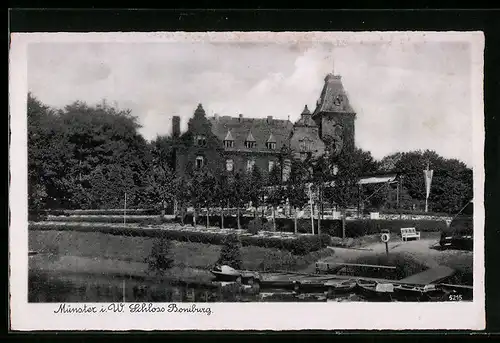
(118, 211)
(255, 225)
(146, 220)
(405, 264)
(159, 259)
(230, 253)
(359, 228)
(301, 245)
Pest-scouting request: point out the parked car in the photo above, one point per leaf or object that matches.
(459, 233)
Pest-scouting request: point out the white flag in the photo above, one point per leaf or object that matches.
(428, 180)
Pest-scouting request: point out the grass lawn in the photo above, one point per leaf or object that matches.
(185, 254)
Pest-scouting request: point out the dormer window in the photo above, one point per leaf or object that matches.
(271, 145)
(250, 141)
(200, 140)
(250, 144)
(271, 142)
(229, 140)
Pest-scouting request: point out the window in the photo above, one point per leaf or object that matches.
(335, 170)
(228, 144)
(200, 140)
(250, 144)
(286, 170)
(250, 164)
(229, 165)
(271, 165)
(271, 145)
(306, 145)
(200, 162)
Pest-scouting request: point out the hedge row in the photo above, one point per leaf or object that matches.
(332, 227)
(408, 212)
(298, 246)
(357, 228)
(116, 211)
(144, 220)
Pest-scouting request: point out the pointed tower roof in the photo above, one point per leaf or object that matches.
(333, 97)
(199, 111)
(229, 136)
(271, 139)
(305, 118)
(250, 137)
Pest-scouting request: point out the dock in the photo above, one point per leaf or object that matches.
(428, 276)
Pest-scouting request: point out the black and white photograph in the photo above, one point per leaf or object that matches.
(179, 173)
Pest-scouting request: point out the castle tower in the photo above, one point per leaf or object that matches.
(334, 115)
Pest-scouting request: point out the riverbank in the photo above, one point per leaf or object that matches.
(135, 250)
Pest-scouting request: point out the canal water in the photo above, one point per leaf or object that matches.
(49, 288)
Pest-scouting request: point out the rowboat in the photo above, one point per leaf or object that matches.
(340, 286)
(372, 290)
(226, 273)
(311, 284)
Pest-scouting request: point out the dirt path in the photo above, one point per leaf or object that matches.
(422, 250)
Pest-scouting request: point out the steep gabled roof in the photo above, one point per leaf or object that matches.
(332, 92)
(250, 137)
(229, 136)
(271, 139)
(260, 128)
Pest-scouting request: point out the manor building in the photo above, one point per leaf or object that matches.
(236, 144)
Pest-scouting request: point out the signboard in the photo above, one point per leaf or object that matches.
(385, 237)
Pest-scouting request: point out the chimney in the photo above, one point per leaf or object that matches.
(176, 126)
(269, 119)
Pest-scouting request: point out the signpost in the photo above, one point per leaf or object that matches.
(385, 238)
(125, 209)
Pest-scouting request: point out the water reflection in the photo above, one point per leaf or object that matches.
(80, 288)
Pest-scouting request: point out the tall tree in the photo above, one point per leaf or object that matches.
(46, 155)
(238, 194)
(105, 140)
(295, 190)
(255, 188)
(275, 191)
(349, 166)
(222, 192)
(451, 184)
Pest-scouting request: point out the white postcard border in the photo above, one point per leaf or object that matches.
(236, 316)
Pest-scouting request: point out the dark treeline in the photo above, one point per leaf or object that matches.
(88, 157)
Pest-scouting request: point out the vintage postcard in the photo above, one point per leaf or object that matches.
(246, 180)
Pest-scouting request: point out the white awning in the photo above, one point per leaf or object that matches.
(377, 179)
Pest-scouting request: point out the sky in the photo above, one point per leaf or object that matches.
(407, 96)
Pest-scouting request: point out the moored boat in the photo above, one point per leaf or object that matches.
(226, 273)
(340, 286)
(371, 290)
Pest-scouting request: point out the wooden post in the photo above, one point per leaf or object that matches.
(320, 208)
(312, 209)
(123, 288)
(125, 209)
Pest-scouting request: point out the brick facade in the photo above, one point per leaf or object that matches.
(235, 144)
